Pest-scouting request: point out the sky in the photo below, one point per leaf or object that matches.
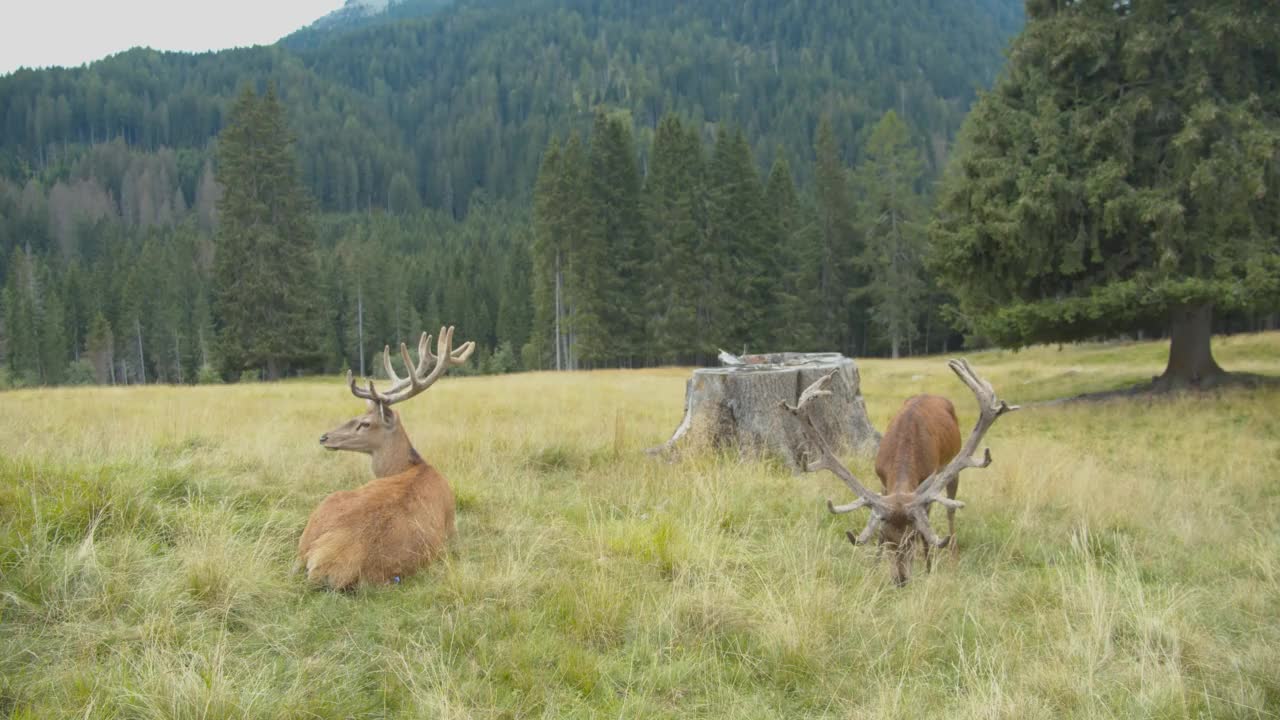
(40, 33)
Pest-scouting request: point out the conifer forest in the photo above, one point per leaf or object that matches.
(606, 184)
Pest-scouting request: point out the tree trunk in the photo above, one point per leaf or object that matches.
(559, 311)
(740, 406)
(142, 361)
(1191, 362)
(360, 324)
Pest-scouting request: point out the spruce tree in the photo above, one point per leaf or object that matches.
(546, 341)
(514, 321)
(747, 276)
(77, 307)
(1122, 173)
(893, 248)
(594, 276)
(672, 199)
(575, 216)
(615, 251)
(100, 349)
(402, 197)
(835, 235)
(21, 320)
(268, 309)
(796, 249)
(55, 350)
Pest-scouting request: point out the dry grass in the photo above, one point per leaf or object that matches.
(1119, 559)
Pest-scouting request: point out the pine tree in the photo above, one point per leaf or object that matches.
(597, 257)
(267, 303)
(616, 250)
(202, 330)
(132, 349)
(796, 248)
(591, 277)
(747, 279)
(835, 233)
(1122, 173)
(77, 307)
(515, 316)
(402, 197)
(100, 349)
(547, 339)
(672, 199)
(21, 320)
(893, 250)
(54, 347)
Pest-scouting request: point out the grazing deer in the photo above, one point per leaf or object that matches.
(919, 455)
(388, 528)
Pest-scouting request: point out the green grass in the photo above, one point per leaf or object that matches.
(1119, 559)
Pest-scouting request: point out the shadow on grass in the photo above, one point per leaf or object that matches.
(1162, 387)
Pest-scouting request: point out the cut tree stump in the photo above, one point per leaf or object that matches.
(740, 406)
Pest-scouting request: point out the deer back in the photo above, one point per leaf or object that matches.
(386, 528)
(921, 438)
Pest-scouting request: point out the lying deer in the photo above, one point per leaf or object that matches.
(388, 528)
(919, 456)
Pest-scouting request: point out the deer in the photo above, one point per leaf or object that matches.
(920, 455)
(390, 527)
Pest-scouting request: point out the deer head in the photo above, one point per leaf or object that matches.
(378, 432)
(901, 516)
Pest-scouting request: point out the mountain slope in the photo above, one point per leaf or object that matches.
(466, 97)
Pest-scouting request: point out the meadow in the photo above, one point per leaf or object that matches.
(1119, 559)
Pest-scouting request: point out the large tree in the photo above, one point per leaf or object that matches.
(672, 198)
(268, 307)
(894, 237)
(549, 262)
(738, 231)
(1123, 171)
(616, 248)
(836, 237)
(795, 240)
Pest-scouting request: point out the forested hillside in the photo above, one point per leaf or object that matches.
(468, 97)
(420, 133)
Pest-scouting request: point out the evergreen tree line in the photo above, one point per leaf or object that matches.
(143, 310)
(701, 252)
(143, 307)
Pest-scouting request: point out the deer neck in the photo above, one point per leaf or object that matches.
(395, 456)
(905, 480)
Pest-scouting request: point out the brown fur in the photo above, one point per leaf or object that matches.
(387, 528)
(923, 437)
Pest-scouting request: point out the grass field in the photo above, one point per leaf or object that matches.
(1118, 560)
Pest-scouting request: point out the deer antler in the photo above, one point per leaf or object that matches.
(827, 461)
(990, 407)
(418, 378)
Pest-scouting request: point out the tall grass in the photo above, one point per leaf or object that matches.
(1118, 560)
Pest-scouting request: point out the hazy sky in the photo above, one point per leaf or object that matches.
(39, 33)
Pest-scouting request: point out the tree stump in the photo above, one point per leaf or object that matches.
(740, 405)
